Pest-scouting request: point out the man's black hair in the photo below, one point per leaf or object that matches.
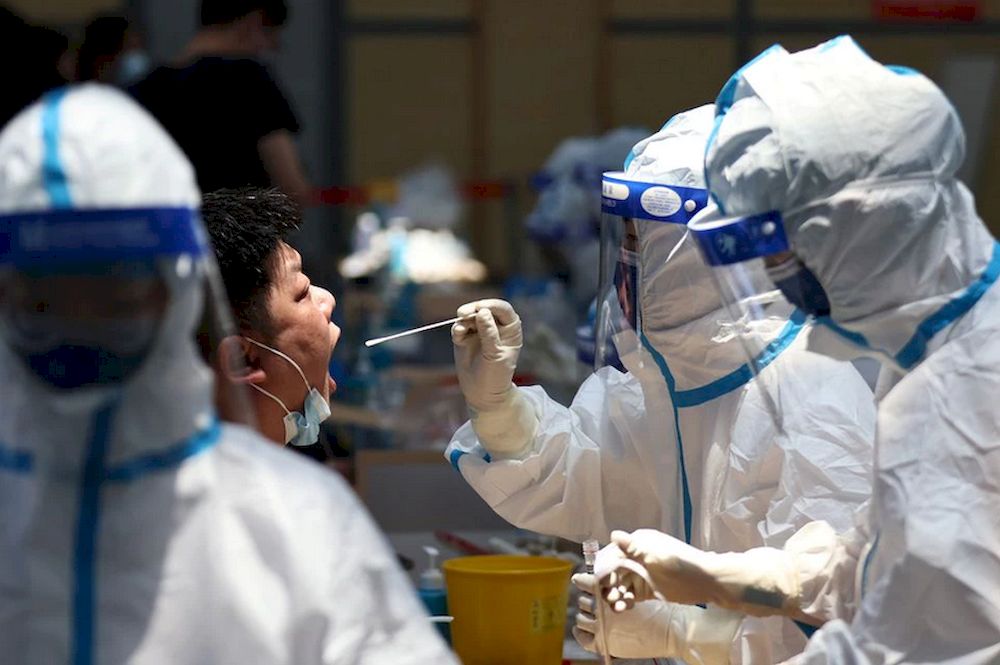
(104, 36)
(247, 226)
(221, 12)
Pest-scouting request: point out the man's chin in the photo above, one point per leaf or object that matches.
(331, 386)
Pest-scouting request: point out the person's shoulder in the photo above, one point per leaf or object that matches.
(153, 81)
(241, 68)
(293, 481)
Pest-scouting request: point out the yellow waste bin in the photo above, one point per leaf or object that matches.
(509, 610)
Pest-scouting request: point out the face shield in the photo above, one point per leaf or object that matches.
(96, 301)
(643, 241)
(749, 257)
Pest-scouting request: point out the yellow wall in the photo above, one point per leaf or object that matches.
(494, 103)
(62, 12)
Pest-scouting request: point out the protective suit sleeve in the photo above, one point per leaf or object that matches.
(804, 581)
(376, 616)
(586, 470)
(823, 476)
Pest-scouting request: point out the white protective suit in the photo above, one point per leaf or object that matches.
(685, 426)
(861, 160)
(134, 527)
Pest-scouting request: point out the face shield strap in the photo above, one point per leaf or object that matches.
(729, 241)
(63, 238)
(627, 198)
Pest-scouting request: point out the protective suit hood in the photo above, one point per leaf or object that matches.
(677, 296)
(863, 174)
(50, 160)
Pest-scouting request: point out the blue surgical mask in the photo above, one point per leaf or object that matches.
(132, 67)
(627, 285)
(301, 429)
(800, 286)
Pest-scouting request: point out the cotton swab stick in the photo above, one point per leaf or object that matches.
(432, 326)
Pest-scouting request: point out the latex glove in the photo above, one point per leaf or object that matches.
(655, 629)
(763, 581)
(486, 351)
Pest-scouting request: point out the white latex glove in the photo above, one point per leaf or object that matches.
(763, 581)
(655, 629)
(486, 351)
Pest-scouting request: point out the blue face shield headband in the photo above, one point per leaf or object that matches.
(60, 345)
(731, 241)
(726, 243)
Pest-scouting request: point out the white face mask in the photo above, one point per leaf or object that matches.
(300, 429)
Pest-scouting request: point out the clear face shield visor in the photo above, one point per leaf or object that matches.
(762, 284)
(642, 229)
(94, 300)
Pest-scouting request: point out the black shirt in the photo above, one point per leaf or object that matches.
(217, 109)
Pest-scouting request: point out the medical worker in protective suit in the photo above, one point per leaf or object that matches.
(839, 174)
(680, 441)
(134, 526)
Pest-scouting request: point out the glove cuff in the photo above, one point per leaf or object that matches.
(708, 634)
(763, 581)
(507, 430)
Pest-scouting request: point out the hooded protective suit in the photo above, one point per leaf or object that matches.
(681, 442)
(861, 160)
(134, 527)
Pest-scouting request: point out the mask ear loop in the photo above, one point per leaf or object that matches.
(272, 396)
(282, 355)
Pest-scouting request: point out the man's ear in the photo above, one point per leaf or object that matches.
(239, 361)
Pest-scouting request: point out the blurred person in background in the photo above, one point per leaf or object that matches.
(37, 59)
(221, 104)
(134, 526)
(112, 52)
(287, 336)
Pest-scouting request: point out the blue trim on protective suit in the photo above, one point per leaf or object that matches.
(851, 336)
(830, 43)
(728, 93)
(696, 396)
(457, 455)
(806, 629)
(867, 564)
(629, 158)
(85, 548)
(16, 461)
(166, 459)
(725, 99)
(53, 173)
(954, 309)
(742, 374)
(88, 519)
(672, 388)
(913, 351)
